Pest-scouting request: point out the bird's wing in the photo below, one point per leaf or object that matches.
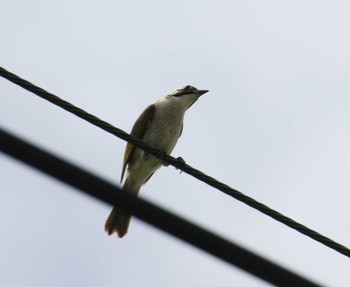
(138, 130)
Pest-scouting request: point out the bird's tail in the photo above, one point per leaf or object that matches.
(118, 220)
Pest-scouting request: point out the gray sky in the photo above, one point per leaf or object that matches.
(275, 125)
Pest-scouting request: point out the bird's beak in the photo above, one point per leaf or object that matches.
(201, 92)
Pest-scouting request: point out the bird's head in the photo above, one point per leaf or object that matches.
(188, 95)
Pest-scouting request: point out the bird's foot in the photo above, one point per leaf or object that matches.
(181, 161)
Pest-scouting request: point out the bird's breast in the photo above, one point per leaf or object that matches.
(165, 128)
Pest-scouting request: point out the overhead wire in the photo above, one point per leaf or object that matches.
(179, 164)
(193, 234)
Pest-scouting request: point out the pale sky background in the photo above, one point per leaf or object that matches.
(275, 125)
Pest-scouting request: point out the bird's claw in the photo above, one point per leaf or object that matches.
(181, 161)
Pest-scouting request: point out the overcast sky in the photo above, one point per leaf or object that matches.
(275, 125)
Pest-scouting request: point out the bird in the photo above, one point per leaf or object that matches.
(160, 125)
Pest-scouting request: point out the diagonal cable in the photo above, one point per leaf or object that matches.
(150, 213)
(179, 164)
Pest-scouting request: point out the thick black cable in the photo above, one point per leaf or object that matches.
(150, 213)
(176, 163)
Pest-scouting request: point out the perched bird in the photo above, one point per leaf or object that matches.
(160, 126)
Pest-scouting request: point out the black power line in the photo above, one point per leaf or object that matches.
(150, 213)
(176, 163)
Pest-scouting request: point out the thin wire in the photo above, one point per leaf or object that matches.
(179, 164)
(150, 213)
